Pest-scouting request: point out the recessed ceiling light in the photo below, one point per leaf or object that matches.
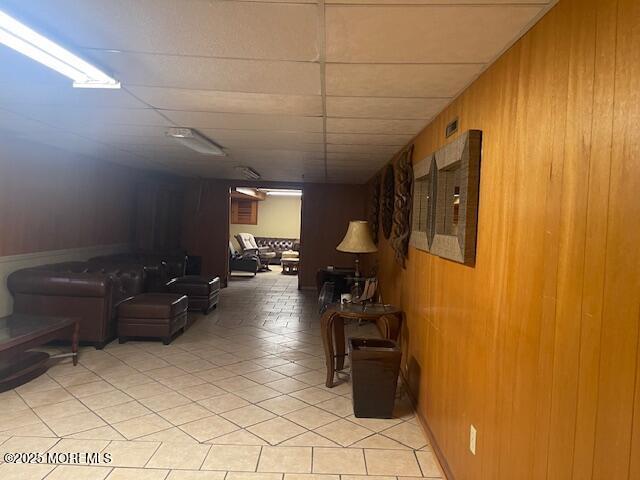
(26, 41)
(195, 141)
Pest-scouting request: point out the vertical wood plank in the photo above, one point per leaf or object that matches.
(596, 239)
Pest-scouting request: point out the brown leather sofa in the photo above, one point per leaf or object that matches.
(278, 245)
(88, 291)
(159, 268)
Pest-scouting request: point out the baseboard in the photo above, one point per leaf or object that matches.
(11, 263)
(427, 430)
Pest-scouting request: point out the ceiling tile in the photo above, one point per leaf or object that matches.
(90, 118)
(230, 102)
(364, 139)
(12, 123)
(399, 80)
(262, 139)
(200, 73)
(246, 121)
(372, 125)
(362, 148)
(356, 157)
(373, 107)
(24, 81)
(447, 34)
(283, 31)
(438, 2)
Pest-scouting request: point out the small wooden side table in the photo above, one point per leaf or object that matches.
(290, 266)
(387, 318)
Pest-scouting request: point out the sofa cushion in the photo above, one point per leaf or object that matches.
(153, 305)
(247, 241)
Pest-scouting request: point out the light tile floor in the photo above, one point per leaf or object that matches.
(240, 396)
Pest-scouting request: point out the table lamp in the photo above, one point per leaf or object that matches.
(357, 240)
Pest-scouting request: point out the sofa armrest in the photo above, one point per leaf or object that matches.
(35, 282)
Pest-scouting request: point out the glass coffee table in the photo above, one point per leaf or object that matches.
(21, 333)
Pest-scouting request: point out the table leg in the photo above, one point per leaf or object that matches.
(338, 335)
(389, 326)
(327, 331)
(74, 342)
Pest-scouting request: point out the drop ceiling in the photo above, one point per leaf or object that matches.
(299, 91)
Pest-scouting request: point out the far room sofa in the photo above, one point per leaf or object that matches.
(278, 245)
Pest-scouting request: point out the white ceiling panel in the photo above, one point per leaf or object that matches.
(230, 102)
(389, 150)
(261, 139)
(438, 2)
(91, 118)
(200, 73)
(384, 107)
(269, 156)
(208, 28)
(13, 123)
(236, 121)
(398, 80)
(373, 125)
(356, 157)
(23, 81)
(443, 34)
(295, 89)
(367, 139)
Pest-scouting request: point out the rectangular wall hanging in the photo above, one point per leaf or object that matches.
(424, 187)
(456, 193)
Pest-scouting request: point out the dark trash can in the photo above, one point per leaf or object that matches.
(375, 364)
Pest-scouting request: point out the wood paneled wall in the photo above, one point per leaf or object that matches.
(538, 345)
(205, 230)
(53, 200)
(326, 211)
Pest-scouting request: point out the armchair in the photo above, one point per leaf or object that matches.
(248, 245)
(243, 262)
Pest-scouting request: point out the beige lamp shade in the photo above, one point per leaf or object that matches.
(358, 239)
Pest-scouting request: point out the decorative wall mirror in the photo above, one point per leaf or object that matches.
(457, 170)
(424, 195)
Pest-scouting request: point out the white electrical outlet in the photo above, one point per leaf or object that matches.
(472, 439)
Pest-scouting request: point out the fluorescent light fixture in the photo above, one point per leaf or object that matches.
(195, 141)
(26, 41)
(283, 192)
(248, 173)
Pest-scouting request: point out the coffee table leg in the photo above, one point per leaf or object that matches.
(74, 342)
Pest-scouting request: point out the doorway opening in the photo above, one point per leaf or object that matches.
(264, 234)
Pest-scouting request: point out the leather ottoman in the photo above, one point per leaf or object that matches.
(155, 315)
(202, 291)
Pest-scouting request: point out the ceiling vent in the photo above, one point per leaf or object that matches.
(452, 128)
